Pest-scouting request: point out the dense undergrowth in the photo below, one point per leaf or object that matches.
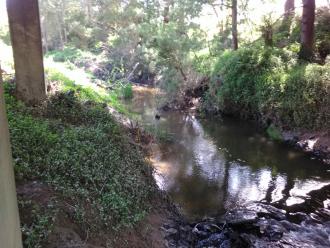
(271, 86)
(76, 148)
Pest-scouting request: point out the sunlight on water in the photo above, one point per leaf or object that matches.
(301, 189)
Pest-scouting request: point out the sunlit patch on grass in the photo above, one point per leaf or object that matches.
(85, 90)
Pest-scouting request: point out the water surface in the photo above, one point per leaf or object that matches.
(213, 165)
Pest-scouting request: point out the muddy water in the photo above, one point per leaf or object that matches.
(214, 165)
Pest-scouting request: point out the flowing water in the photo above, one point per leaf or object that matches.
(214, 165)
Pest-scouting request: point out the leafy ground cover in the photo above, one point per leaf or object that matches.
(72, 144)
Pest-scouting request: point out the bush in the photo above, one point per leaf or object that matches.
(306, 97)
(268, 85)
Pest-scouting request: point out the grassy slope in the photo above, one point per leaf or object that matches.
(77, 149)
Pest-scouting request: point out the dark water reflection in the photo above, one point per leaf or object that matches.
(215, 165)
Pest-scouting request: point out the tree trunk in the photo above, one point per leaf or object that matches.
(24, 24)
(307, 30)
(234, 24)
(10, 233)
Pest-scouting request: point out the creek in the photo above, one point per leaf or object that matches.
(214, 165)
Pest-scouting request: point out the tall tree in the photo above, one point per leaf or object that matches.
(10, 234)
(234, 24)
(24, 24)
(307, 30)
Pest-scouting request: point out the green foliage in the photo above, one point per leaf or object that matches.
(67, 54)
(306, 96)
(163, 42)
(268, 84)
(176, 44)
(79, 150)
(203, 63)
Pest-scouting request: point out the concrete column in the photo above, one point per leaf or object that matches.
(10, 233)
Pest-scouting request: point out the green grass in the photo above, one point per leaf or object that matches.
(86, 93)
(80, 151)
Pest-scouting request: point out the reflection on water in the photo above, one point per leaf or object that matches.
(215, 165)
